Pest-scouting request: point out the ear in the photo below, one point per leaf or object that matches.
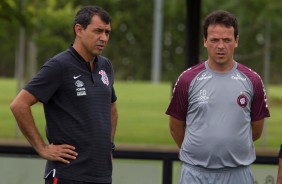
(78, 29)
(205, 42)
(237, 41)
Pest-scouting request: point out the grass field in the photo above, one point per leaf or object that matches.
(142, 119)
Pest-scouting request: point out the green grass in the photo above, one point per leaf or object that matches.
(142, 119)
(7, 124)
(142, 116)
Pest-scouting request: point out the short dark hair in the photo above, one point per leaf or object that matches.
(85, 14)
(221, 17)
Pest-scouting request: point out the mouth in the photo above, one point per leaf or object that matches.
(100, 47)
(220, 54)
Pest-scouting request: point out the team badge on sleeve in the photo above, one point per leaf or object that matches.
(104, 77)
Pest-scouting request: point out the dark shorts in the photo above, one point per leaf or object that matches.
(50, 180)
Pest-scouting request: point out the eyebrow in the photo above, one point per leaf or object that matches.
(98, 28)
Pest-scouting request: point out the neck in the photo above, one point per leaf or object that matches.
(221, 67)
(83, 53)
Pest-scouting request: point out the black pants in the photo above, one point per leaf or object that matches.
(50, 180)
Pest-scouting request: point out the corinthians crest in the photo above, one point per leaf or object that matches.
(104, 77)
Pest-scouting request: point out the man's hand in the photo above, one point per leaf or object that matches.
(61, 153)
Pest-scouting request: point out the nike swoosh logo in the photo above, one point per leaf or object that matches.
(75, 77)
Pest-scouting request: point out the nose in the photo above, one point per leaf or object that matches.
(220, 44)
(104, 37)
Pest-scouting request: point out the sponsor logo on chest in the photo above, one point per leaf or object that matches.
(203, 98)
(238, 77)
(79, 84)
(80, 89)
(204, 76)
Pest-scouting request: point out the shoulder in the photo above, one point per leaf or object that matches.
(192, 72)
(255, 80)
(59, 59)
(252, 75)
(187, 76)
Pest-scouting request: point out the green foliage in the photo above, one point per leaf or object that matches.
(10, 11)
(49, 25)
(52, 27)
(10, 18)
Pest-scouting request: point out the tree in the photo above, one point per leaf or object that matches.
(49, 27)
(11, 19)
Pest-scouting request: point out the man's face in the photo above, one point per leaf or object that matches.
(220, 44)
(95, 37)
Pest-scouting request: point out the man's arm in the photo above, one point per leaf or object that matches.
(279, 175)
(114, 120)
(21, 108)
(257, 128)
(177, 130)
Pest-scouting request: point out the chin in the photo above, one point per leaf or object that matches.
(97, 53)
(221, 60)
